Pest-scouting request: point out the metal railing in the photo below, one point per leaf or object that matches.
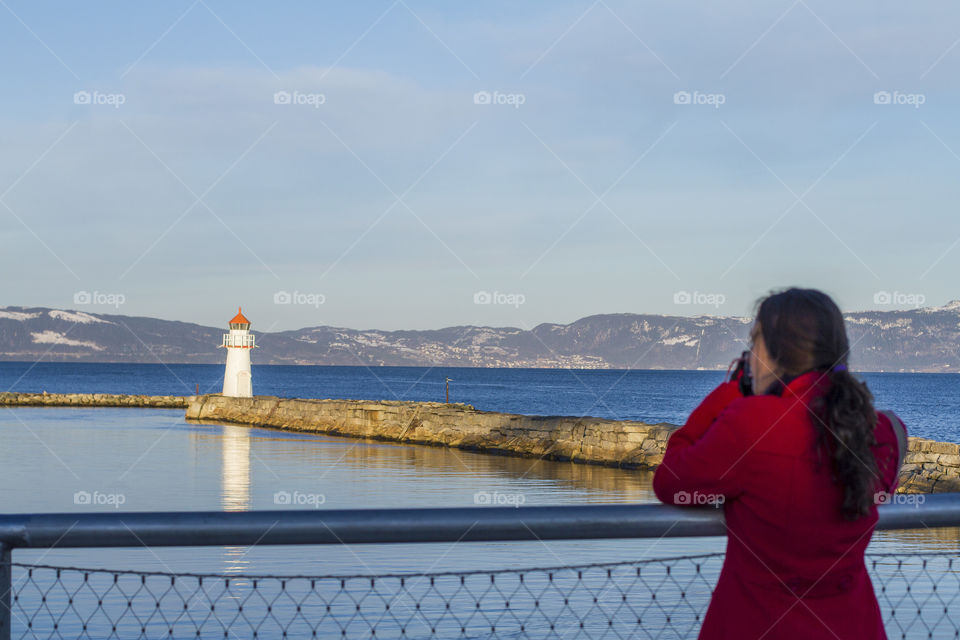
(666, 597)
(237, 340)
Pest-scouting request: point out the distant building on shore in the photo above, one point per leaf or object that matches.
(237, 381)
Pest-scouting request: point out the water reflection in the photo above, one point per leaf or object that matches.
(235, 468)
(390, 474)
(235, 486)
(436, 472)
(917, 540)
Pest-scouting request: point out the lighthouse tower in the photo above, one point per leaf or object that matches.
(238, 343)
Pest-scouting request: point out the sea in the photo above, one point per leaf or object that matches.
(152, 459)
(929, 403)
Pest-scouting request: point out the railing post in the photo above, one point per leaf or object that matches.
(6, 590)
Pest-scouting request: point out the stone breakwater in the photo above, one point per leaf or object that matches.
(92, 400)
(616, 443)
(930, 466)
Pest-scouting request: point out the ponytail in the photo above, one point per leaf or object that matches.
(844, 420)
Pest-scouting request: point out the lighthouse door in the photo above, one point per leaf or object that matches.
(244, 385)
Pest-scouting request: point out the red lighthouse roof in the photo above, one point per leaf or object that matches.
(239, 318)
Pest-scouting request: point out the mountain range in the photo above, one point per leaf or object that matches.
(921, 339)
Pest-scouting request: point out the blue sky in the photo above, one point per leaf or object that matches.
(388, 194)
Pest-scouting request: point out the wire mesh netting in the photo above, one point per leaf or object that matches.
(657, 598)
(919, 594)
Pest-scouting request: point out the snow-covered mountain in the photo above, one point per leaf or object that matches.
(924, 339)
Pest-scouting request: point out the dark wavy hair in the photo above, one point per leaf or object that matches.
(803, 330)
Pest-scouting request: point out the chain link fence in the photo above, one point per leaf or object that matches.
(657, 598)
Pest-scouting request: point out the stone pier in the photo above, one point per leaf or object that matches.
(92, 400)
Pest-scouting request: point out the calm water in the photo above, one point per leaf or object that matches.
(154, 460)
(928, 403)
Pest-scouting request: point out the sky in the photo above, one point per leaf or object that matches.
(408, 164)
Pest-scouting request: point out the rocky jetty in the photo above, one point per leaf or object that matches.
(92, 400)
(617, 443)
(930, 467)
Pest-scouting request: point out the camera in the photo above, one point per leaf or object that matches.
(741, 367)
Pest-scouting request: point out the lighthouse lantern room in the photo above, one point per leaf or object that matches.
(237, 382)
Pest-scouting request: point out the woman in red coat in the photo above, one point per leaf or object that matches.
(799, 464)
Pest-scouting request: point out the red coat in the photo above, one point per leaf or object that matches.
(786, 536)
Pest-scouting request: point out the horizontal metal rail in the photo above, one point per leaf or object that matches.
(373, 526)
(59, 602)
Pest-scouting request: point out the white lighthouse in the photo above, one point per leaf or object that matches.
(237, 382)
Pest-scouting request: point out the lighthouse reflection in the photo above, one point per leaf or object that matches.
(235, 485)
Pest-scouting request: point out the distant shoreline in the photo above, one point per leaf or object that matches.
(421, 366)
(914, 340)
